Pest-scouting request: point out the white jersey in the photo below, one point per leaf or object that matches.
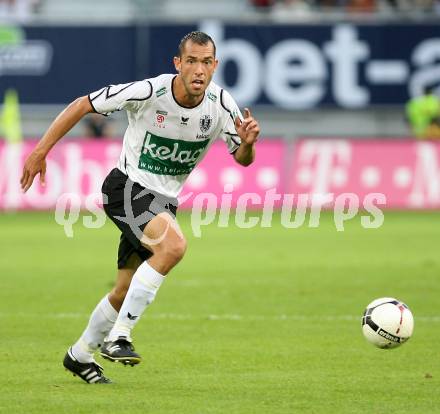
(164, 141)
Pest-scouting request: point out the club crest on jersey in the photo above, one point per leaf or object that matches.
(205, 123)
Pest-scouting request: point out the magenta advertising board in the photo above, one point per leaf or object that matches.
(220, 175)
(75, 166)
(80, 166)
(406, 172)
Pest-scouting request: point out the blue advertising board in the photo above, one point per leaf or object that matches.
(307, 66)
(57, 64)
(288, 66)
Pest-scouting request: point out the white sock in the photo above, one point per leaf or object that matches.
(142, 291)
(100, 323)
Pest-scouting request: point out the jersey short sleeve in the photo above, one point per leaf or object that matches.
(228, 133)
(128, 96)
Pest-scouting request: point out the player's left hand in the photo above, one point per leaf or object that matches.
(248, 129)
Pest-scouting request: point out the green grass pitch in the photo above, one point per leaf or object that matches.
(262, 320)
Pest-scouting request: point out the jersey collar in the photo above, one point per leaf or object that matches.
(182, 106)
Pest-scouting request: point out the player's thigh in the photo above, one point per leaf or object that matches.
(163, 233)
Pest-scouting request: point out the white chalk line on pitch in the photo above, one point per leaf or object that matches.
(222, 317)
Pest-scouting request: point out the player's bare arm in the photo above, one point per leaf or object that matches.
(248, 131)
(63, 123)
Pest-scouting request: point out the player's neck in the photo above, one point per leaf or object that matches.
(181, 95)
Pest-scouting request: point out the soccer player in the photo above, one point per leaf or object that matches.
(172, 121)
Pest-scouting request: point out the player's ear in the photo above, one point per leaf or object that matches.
(215, 64)
(177, 63)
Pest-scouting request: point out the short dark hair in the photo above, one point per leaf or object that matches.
(200, 38)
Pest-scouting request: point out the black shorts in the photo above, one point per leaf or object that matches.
(131, 206)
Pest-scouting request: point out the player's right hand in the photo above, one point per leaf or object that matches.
(34, 164)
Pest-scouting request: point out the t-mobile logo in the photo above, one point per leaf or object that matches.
(323, 165)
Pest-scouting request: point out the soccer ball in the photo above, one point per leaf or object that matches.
(387, 323)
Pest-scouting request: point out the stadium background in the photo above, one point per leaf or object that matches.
(274, 330)
(328, 73)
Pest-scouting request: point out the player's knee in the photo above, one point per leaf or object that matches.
(174, 251)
